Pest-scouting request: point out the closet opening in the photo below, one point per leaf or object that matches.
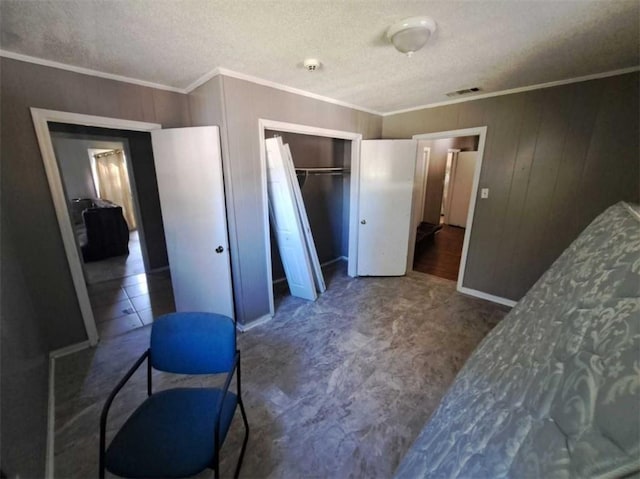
(326, 163)
(323, 171)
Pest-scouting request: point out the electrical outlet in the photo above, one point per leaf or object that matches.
(484, 193)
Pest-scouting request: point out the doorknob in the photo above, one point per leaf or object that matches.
(219, 249)
(363, 222)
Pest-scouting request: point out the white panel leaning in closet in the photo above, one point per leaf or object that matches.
(285, 215)
(304, 219)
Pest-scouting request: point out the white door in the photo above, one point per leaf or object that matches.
(286, 223)
(387, 169)
(460, 187)
(189, 171)
(304, 221)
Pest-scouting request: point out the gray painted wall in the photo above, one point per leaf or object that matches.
(74, 164)
(323, 195)
(554, 159)
(42, 313)
(238, 105)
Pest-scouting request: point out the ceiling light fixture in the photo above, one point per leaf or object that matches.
(411, 34)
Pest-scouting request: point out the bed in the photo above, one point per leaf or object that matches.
(554, 389)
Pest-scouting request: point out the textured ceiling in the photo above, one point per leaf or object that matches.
(495, 45)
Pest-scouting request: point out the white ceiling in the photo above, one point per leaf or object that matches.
(495, 45)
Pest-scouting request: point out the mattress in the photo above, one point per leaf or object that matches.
(554, 389)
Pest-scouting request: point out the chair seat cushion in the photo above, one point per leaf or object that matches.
(171, 434)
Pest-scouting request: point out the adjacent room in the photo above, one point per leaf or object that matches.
(313, 239)
(126, 288)
(443, 203)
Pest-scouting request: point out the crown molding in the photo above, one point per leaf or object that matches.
(203, 79)
(296, 91)
(87, 71)
(511, 91)
(278, 86)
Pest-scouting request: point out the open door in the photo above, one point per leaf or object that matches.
(189, 172)
(286, 223)
(461, 186)
(387, 169)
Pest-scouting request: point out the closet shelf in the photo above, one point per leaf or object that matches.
(322, 171)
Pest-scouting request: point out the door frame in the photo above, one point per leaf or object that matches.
(423, 157)
(446, 202)
(481, 132)
(354, 188)
(426, 158)
(41, 118)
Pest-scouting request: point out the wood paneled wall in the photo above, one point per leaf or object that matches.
(43, 312)
(554, 159)
(242, 104)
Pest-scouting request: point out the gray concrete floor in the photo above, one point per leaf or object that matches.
(339, 387)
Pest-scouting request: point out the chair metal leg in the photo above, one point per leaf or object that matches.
(246, 438)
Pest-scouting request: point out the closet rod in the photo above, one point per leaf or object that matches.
(322, 171)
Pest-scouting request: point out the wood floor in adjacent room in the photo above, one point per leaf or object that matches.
(335, 388)
(440, 255)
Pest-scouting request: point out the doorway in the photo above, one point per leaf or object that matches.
(130, 295)
(99, 180)
(329, 195)
(322, 167)
(103, 205)
(448, 172)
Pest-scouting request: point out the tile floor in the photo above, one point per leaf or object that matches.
(118, 266)
(123, 304)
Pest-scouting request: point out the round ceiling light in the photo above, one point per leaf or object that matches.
(411, 34)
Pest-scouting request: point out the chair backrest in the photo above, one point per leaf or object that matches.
(193, 343)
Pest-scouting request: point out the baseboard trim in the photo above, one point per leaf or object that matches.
(335, 260)
(73, 348)
(326, 263)
(51, 421)
(159, 270)
(51, 407)
(489, 297)
(257, 322)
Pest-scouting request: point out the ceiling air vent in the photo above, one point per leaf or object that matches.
(464, 91)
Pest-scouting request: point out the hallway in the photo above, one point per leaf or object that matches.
(440, 255)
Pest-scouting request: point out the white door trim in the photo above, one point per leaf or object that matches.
(446, 207)
(423, 158)
(426, 152)
(264, 124)
(40, 119)
(480, 131)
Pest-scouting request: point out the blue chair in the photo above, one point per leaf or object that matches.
(179, 432)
